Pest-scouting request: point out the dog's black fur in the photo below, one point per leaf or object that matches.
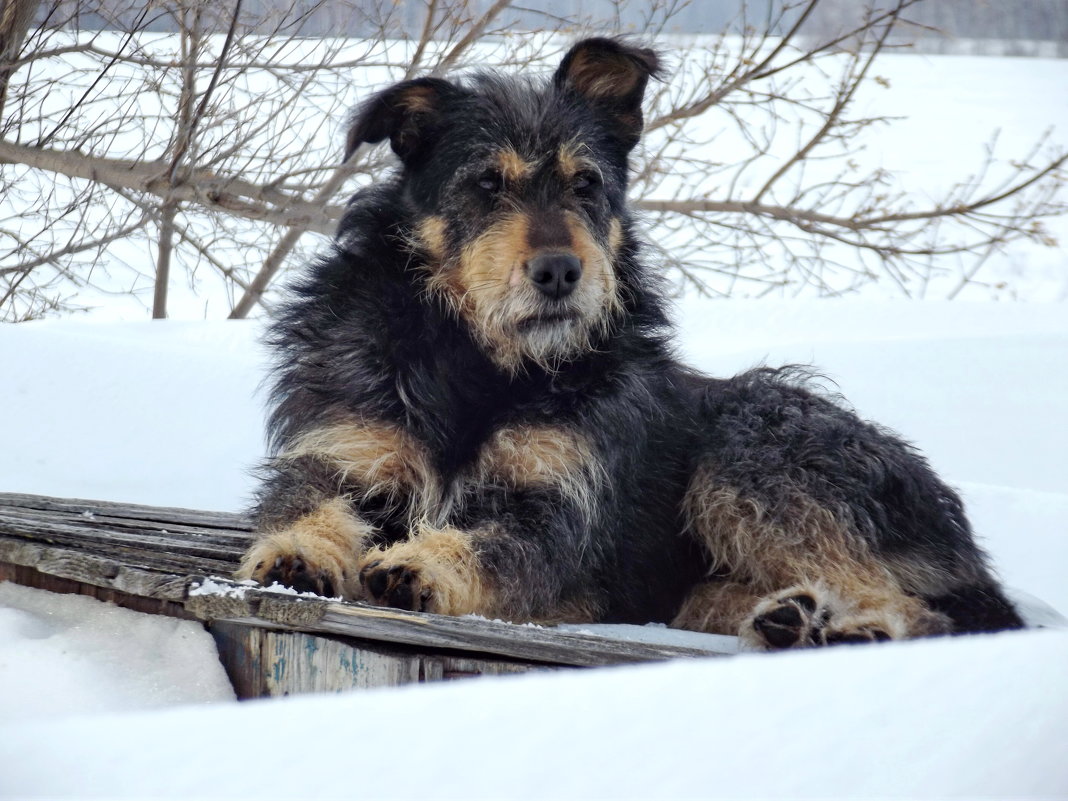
(477, 409)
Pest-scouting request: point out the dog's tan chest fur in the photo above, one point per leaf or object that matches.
(376, 459)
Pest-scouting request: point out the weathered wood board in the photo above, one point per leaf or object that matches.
(263, 662)
(273, 641)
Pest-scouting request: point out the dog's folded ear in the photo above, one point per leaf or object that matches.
(409, 113)
(611, 75)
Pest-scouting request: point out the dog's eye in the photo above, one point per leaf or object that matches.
(490, 181)
(584, 183)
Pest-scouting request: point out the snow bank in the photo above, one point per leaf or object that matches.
(168, 413)
(66, 655)
(162, 413)
(962, 718)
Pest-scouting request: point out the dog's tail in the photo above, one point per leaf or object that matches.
(978, 608)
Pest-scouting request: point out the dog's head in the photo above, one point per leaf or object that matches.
(518, 193)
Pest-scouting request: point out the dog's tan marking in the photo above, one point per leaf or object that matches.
(570, 160)
(485, 286)
(514, 168)
(372, 459)
(739, 531)
(544, 456)
(573, 158)
(597, 263)
(615, 236)
(430, 237)
(597, 76)
(418, 99)
(804, 547)
(445, 563)
(491, 264)
(329, 539)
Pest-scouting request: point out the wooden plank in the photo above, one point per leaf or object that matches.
(28, 577)
(150, 544)
(164, 514)
(95, 570)
(217, 599)
(263, 662)
(47, 525)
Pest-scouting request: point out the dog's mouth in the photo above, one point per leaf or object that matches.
(547, 319)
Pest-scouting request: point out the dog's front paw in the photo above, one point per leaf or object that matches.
(281, 560)
(435, 571)
(401, 586)
(315, 553)
(294, 571)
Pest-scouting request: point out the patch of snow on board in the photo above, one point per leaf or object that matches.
(227, 588)
(216, 586)
(655, 634)
(72, 655)
(498, 621)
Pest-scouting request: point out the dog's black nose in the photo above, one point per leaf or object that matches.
(555, 274)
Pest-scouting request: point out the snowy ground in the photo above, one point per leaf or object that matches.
(967, 719)
(169, 413)
(97, 658)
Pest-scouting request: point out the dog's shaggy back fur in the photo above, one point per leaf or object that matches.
(477, 409)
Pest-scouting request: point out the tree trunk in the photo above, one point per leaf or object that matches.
(15, 19)
(163, 261)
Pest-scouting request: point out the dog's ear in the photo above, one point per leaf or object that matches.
(611, 75)
(409, 113)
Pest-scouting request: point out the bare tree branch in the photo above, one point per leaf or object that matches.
(215, 145)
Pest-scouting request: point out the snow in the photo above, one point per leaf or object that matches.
(170, 413)
(160, 413)
(90, 657)
(967, 718)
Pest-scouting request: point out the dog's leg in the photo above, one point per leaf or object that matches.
(310, 535)
(518, 547)
(717, 607)
(511, 574)
(313, 532)
(528, 562)
(795, 580)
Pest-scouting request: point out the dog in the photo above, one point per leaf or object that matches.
(476, 409)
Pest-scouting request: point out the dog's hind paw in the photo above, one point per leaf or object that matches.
(792, 620)
(807, 616)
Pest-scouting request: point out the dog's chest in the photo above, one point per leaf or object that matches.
(512, 459)
(386, 460)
